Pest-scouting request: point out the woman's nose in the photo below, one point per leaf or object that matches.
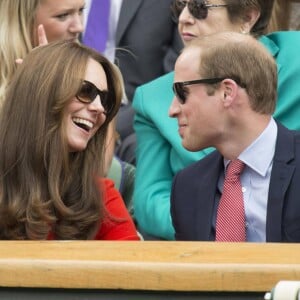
(96, 105)
(185, 15)
(77, 24)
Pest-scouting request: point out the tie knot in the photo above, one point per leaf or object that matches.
(235, 168)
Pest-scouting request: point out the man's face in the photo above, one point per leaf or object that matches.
(198, 117)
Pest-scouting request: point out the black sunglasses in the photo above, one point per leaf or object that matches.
(88, 93)
(181, 93)
(197, 8)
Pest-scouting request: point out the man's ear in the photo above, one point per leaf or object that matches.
(229, 89)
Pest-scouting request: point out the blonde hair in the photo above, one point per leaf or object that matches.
(16, 36)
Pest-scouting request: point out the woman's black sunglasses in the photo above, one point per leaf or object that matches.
(88, 93)
(197, 8)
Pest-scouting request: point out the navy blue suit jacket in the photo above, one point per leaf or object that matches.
(194, 189)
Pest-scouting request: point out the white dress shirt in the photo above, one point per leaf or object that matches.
(255, 180)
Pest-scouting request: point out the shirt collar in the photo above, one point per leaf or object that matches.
(259, 155)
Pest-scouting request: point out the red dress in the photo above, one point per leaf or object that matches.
(119, 226)
(121, 229)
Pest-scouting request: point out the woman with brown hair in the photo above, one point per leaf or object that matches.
(53, 128)
(25, 25)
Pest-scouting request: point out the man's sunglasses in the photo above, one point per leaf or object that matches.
(181, 92)
(88, 93)
(197, 8)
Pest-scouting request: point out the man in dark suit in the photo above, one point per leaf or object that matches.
(225, 87)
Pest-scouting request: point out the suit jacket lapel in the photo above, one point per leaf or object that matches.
(205, 196)
(282, 172)
(128, 10)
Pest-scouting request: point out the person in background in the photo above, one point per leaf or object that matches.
(36, 22)
(142, 39)
(20, 20)
(144, 42)
(218, 104)
(281, 14)
(295, 15)
(54, 122)
(281, 18)
(160, 154)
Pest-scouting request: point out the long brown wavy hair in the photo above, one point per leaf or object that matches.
(43, 187)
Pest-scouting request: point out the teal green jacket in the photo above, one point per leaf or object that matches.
(159, 151)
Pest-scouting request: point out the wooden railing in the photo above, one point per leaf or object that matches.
(153, 265)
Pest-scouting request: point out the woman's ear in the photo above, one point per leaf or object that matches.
(249, 20)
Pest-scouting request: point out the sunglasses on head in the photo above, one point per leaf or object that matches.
(197, 8)
(88, 93)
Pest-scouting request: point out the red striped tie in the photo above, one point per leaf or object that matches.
(230, 225)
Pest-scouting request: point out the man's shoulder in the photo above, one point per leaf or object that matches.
(287, 144)
(202, 165)
(283, 130)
